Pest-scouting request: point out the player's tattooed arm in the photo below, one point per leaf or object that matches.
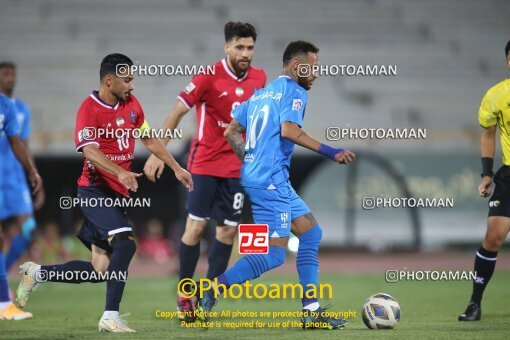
(234, 135)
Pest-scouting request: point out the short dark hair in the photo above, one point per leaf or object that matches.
(7, 64)
(238, 29)
(110, 62)
(507, 48)
(298, 47)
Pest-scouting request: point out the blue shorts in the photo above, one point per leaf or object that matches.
(276, 208)
(101, 222)
(16, 195)
(218, 198)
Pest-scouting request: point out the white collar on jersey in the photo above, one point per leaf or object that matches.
(102, 103)
(230, 73)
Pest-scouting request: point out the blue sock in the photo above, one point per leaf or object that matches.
(219, 254)
(18, 246)
(252, 266)
(4, 285)
(307, 262)
(20, 242)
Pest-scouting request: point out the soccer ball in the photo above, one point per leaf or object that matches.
(381, 311)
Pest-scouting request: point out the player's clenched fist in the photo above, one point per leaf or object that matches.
(345, 157)
(484, 189)
(129, 179)
(185, 178)
(153, 168)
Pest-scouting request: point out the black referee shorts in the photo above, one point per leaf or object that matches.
(499, 203)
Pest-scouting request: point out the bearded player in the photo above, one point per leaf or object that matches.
(106, 174)
(214, 166)
(272, 119)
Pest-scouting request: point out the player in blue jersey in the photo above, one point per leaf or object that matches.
(272, 119)
(17, 210)
(10, 129)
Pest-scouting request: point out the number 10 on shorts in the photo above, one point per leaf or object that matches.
(253, 238)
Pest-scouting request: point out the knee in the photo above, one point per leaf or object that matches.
(193, 231)
(100, 266)
(123, 242)
(312, 236)
(277, 255)
(493, 241)
(226, 234)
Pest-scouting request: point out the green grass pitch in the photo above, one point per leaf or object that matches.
(429, 310)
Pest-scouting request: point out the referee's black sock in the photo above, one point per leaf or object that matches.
(69, 272)
(485, 261)
(219, 254)
(123, 252)
(188, 259)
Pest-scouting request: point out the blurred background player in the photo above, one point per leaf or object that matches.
(106, 174)
(273, 118)
(18, 210)
(9, 129)
(214, 166)
(491, 114)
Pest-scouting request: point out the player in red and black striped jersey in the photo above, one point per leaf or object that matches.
(214, 166)
(104, 133)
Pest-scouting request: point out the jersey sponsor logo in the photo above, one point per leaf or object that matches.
(296, 104)
(253, 238)
(189, 88)
(224, 93)
(494, 204)
(120, 121)
(222, 124)
(239, 91)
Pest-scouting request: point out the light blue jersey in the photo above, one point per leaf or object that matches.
(265, 171)
(17, 199)
(267, 155)
(23, 116)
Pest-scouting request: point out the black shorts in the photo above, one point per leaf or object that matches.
(101, 222)
(499, 203)
(218, 198)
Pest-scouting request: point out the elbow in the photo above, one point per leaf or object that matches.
(286, 132)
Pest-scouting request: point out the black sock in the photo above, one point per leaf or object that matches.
(123, 252)
(188, 259)
(69, 272)
(485, 261)
(219, 254)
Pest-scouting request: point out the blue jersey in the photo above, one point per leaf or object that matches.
(8, 127)
(267, 155)
(22, 115)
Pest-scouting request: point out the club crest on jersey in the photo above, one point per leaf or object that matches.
(296, 104)
(132, 116)
(120, 121)
(239, 92)
(190, 87)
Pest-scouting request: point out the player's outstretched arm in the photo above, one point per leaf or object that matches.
(488, 147)
(100, 161)
(295, 134)
(234, 135)
(24, 157)
(154, 166)
(159, 151)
